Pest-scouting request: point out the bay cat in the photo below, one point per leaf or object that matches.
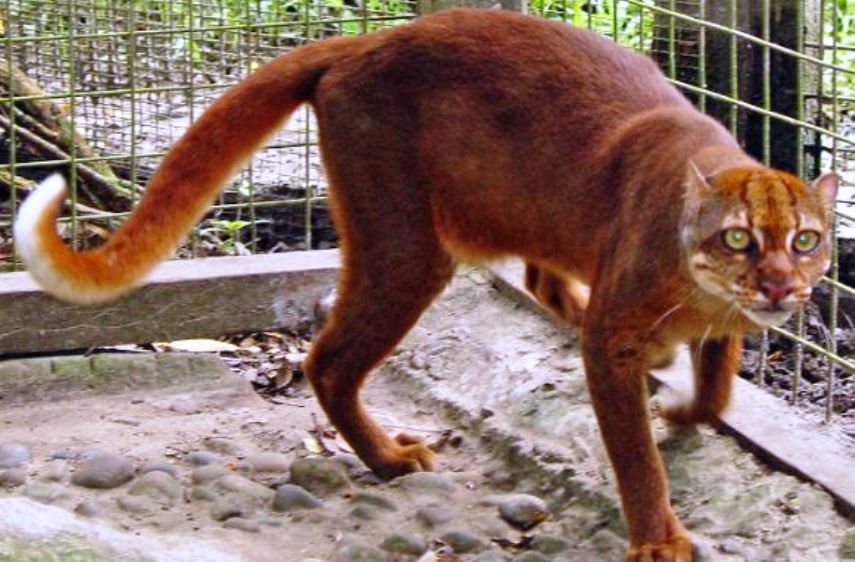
(472, 135)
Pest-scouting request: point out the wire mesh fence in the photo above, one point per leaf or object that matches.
(100, 90)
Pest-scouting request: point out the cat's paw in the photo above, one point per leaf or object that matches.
(676, 549)
(408, 454)
(677, 410)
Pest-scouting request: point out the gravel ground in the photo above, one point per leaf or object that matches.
(496, 389)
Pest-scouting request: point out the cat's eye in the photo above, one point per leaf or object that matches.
(806, 241)
(736, 239)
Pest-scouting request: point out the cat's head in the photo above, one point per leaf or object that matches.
(758, 238)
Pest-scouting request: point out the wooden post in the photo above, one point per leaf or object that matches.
(786, 140)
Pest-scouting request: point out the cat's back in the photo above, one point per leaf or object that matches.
(505, 52)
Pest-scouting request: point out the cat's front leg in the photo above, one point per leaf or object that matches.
(615, 365)
(715, 362)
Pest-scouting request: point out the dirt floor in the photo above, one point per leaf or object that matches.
(496, 388)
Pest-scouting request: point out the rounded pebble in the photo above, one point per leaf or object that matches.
(158, 486)
(374, 500)
(462, 542)
(322, 477)
(276, 463)
(226, 508)
(242, 524)
(135, 504)
(207, 473)
(202, 493)
(433, 516)
(54, 472)
(523, 511)
(244, 487)
(104, 472)
(351, 463)
(358, 552)
(13, 478)
(404, 543)
(87, 509)
(159, 466)
(202, 458)
(45, 492)
(425, 482)
(13, 455)
(290, 497)
(549, 544)
(365, 512)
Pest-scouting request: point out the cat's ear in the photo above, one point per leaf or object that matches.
(696, 186)
(696, 178)
(827, 185)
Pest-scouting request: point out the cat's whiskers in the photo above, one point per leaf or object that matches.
(696, 356)
(666, 314)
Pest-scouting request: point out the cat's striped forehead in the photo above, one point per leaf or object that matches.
(766, 199)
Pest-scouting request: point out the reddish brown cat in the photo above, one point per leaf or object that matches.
(474, 135)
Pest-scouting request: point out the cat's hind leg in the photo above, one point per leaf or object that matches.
(714, 362)
(564, 297)
(393, 265)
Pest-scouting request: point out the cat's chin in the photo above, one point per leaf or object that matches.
(765, 318)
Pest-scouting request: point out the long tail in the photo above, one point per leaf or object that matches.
(183, 187)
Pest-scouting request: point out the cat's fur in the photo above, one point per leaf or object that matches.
(473, 135)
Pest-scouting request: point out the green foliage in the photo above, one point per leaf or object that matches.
(225, 234)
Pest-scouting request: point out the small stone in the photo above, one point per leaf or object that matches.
(365, 513)
(207, 473)
(729, 546)
(242, 524)
(351, 463)
(54, 472)
(228, 507)
(159, 466)
(322, 477)
(13, 455)
(158, 486)
(530, 556)
(202, 458)
(425, 482)
(523, 511)
(202, 493)
(404, 543)
(136, 505)
(463, 541)
(492, 556)
(267, 462)
(87, 509)
(847, 546)
(13, 478)
(549, 544)
(104, 472)
(373, 500)
(432, 516)
(290, 497)
(45, 492)
(223, 446)
(244, 487)
(359, 552)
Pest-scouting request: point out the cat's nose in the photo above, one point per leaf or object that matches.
(776, 290)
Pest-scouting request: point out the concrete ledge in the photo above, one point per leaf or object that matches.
(72, 376)
(762, 423)
(182, 299)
